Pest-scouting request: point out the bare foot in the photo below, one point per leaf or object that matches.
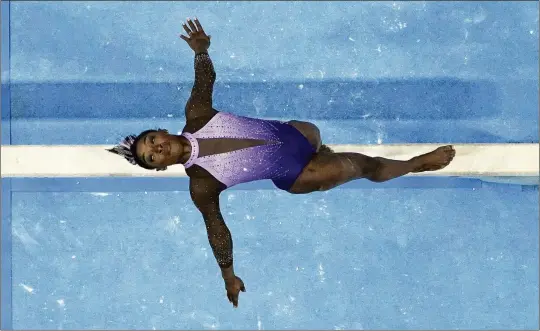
(434, 160)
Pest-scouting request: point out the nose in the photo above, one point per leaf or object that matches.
(158, 148)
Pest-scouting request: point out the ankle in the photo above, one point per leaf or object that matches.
(415, 164)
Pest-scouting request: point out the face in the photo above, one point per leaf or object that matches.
(159, 149)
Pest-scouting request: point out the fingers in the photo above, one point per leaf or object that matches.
(184, 37)
(242, 287)
(191, 25)
(199, 26)
(187, 29)
(233, 298)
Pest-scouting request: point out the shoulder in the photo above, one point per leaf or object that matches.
(195, 124)
(203, 188)
(198, 174)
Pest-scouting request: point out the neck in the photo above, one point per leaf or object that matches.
(185, 149)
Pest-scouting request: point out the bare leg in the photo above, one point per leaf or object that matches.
(328, 170)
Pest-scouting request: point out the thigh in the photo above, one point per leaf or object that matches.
(328, 170)
(310, 131)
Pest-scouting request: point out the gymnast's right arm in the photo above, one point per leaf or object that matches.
(205, 195)
(200, 101)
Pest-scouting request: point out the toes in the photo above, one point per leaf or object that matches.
(452, 153)
(449, 151)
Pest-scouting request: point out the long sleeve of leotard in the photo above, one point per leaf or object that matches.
(205, 195)
(220, 240)
(200, 101)
(205, 76)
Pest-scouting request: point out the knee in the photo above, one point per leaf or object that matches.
(314, 135)
(314, 128)
(315, 132)
(310, 131)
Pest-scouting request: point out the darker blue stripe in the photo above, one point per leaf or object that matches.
(169, 184)
(444, 98)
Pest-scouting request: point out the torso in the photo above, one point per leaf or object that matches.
(232, 149)
(214, 146)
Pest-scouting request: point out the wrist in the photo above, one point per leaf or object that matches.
(227, 273)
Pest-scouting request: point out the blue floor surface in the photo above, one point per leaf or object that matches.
(132, 253)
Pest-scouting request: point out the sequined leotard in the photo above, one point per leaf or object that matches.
(283, 154)
(281, 158)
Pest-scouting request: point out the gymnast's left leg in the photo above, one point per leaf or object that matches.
(328, 170)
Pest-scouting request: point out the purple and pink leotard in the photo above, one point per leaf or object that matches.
(281, 159)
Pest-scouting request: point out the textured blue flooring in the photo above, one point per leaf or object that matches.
(132, 253)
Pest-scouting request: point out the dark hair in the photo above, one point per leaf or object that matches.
(133, 149)
(128, 149)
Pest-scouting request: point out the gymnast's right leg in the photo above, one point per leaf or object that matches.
(328, 170)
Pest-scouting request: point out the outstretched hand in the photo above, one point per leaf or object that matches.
(197, 38)
(233, 287)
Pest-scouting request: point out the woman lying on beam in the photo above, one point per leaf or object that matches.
(219, 150)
